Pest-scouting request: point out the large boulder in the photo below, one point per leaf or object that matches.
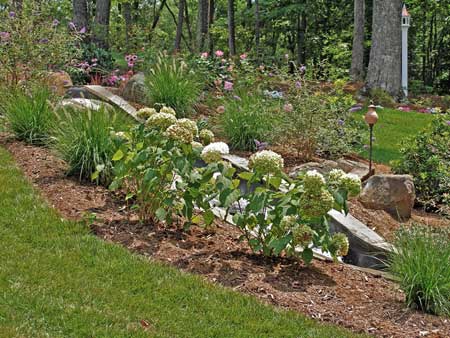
(135, 90)
(394, 194)
(59, 82)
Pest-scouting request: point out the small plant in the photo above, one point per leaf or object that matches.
(28, 112)
(422, 264)
(87, 140)
(170, 83)
(248, 118)
(427, 158)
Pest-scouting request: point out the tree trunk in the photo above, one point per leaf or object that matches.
(128, 22)
(357, 68)
(386, 53)
(202, 24)
(231, 28)
(301, 29)
(102, 15)
(177, 46)
(211, 13)
(257, 28)
(80, 14)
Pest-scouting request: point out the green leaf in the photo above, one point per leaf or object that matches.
(118, 155)
(307, 255)
(209, 217)
(279, 244)
(161, 214)
(95, 175)
(246, 175)
(275, 182)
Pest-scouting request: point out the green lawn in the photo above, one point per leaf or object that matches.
(394, 127)
(58, 280)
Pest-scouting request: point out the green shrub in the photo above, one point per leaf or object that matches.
(381, 97)
(170, 83)
(248, 118)
(86, 140)
(427, 158)
(28, 112)
(321, 124)
(422, 264)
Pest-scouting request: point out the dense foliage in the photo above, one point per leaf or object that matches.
(421, 262)
(28, 112)
(427, 157)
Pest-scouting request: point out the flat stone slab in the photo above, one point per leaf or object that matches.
(105, 95)
(237, 161)
(367, 248)
(80, 103)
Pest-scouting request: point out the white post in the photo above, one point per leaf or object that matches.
(405, 26)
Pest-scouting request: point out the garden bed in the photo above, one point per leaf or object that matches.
(325, 291)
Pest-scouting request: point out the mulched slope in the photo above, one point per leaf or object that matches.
(328, 292)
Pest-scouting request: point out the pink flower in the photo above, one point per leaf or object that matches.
(219, 53)
(82, 30)
(204, 55)
(4, 36)
(230, 68)
(243, 56)
(288, 108)
(228, 86)
(130, 64)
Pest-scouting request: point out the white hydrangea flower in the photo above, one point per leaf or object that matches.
(179, 133)
(161, 120)
(336, 175)
(189, 125)
(313, 180)
(168, 110)
(206, 136)
(352, 183)
(145, 113)
(266, 162)
(213, 152)
(195, 144)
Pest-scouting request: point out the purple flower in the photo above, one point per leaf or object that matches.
(82, 30)
(43, 40)
(12, 15)
(72, 26)
(341, 122)
(448, 123)
(4, 36)
(237, 98)
(355, 109)
(55, 23)
(228, 86)
(298, 84)
(302, 69)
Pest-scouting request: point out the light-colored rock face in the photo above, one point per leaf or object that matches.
(135, 90)
(59, 82)
(324, 167)
(392, 193)
(79, 103)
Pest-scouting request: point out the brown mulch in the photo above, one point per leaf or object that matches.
(325, 291)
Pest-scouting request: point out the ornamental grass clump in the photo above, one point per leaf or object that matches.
(421, 262)
(28, 112)
(86, 140)
(169, 82)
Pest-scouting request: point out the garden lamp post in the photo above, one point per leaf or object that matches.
(406, 23)
(371, 119)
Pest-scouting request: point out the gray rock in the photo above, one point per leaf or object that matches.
(393, 193)
(80, 103)
(135, 90)
(322, 167)
(79, 93)
(367, 248)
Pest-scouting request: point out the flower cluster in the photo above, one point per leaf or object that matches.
(189, 125)
(338, 179)
(161, 120)
(131, 60)
(339, 244)
(168, 110)
(316, 203)
(266, 162)
(179, 133)
(302, 235)
(145, 113)
(213, 152)
(206, 136)
(313, 180)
